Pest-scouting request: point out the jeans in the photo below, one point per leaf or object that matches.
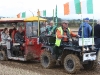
(59, 50)
(97, 42)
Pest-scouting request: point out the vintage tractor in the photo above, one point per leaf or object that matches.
(32, 48)
(73, 54)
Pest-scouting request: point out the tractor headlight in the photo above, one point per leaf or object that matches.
(85, 49)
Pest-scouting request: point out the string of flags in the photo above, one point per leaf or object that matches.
(23, 14)
(71, 7)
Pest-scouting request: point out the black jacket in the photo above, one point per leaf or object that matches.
(19, 37)
(97, 31)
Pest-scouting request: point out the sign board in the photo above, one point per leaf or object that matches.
(86, 41)
(89, 56)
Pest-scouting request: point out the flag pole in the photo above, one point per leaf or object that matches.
(56, 16)
(38, 21)
(53, 14)
(82, 33)
(93, 33)
(45, 14)
(45, 18)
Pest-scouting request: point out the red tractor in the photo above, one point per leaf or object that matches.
(32, 48)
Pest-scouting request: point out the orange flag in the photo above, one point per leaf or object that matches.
(66, 8)
(18, 15)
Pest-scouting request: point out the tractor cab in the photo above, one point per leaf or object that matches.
(31, 30)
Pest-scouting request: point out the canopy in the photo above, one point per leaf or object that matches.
(34, 18)
(11, 19)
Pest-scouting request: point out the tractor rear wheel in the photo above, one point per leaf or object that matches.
(72, 64)
(47, 61)
(91, 65)
(3, 56)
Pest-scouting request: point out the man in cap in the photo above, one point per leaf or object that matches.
(87, 29)
(63, 33)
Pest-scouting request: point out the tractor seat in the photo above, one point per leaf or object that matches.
(51, 40)
(16, 44)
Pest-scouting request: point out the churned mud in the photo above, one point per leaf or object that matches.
(35, 68)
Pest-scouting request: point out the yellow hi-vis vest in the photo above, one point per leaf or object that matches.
(58, 41)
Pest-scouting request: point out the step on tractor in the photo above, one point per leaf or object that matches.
(74, 54)
(32, 49)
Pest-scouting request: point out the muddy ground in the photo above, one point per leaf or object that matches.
(34, 68)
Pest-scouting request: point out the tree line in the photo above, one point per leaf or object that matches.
(72, 22)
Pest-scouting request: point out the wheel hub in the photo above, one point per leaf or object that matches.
(70, 64)
(46, 60)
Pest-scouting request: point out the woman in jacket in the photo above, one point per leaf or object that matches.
(6, 39)
(5, 35)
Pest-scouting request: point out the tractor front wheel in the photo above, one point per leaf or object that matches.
(72, 64)
(47, 60)
(91, 65)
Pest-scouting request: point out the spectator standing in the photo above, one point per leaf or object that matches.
(87, 29)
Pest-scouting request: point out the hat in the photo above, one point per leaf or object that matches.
(65, 22)
(86, 19)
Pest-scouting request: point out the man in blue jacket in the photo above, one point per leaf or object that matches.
(87, 29)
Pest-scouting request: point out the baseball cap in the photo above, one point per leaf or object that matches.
(86, 19)
(65, 22)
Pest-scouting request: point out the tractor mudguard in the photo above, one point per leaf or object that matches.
(72, 49)
(49, 48)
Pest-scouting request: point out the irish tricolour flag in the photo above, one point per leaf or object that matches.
(87, 6)
(78, 7)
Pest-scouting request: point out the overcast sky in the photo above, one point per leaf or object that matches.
(11, 8)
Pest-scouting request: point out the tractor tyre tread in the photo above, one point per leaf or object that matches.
(51, 63)
(77, 64)
(90, 66)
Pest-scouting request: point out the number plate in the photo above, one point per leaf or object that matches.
(89, 56)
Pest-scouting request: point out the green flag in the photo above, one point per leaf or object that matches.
(44, 13)
(23, 14)
(77, 6)
(90, 6)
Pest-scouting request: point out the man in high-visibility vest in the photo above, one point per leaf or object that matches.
(63, 33)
